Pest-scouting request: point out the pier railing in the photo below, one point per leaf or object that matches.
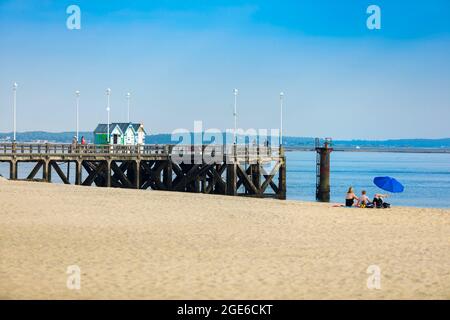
(67, 148)
(238, 151)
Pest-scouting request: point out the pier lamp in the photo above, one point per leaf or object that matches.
(77, 95)
(108, 109)
(128, 95)
(236, 92)
(15, 85)
(281, 117)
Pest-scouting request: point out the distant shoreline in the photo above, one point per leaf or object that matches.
(379, 150)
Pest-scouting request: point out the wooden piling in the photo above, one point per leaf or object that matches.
(46, 171)
(323, 172)
(137, 174)
(78, 171)
(231, 179)
(13, 170)
(108, 173)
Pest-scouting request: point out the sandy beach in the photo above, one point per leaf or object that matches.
(132, 244)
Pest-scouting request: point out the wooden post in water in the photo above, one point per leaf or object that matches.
(323, 171)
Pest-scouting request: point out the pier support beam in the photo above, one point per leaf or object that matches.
(134, 173)
(47, 171)
(167, 175)
(282, 180)
(78, 170)
(231, 179)
(137, 174)
(108, 174)
(62, 176)
(35, 170)
(256, 175)
(13, 170)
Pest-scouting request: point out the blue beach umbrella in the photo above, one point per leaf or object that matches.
(388, 184)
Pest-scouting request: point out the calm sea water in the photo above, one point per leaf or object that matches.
(426, 177)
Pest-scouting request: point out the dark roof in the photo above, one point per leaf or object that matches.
(136, 127)
(123, 126)
(103, 127)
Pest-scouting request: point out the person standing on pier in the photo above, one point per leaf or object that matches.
(74, 144)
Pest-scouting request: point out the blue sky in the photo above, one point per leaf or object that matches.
(182, 59)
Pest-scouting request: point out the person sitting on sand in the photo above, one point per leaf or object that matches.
(350, 198)
(379, 202)
(364, 201)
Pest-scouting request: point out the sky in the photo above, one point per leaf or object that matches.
(181, 60)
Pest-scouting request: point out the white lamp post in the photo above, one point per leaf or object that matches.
(15, 85)
(77, 94)
(236, 92)
(108, 94)
(281, 117)
(128, 95)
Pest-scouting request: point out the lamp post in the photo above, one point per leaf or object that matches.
(236, 92)
(77, 94)
(128, 95)
(281, 117)
(108, 94)
(15, 85)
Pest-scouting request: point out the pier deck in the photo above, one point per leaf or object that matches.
(214, 169)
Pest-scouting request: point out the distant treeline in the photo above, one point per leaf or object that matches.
(66, 137)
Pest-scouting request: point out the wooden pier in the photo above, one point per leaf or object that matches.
(228, 170)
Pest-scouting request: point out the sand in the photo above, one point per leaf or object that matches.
(132, 244)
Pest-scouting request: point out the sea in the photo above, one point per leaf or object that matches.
(426, 176)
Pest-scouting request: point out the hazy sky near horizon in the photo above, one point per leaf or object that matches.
(181, 61)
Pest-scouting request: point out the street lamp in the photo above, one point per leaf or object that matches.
(15, 85)
(281, 117)
(128, 95)
(77, 94)
(236, 92)
(108, 94)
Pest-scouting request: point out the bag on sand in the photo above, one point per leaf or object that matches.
(386, 205)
